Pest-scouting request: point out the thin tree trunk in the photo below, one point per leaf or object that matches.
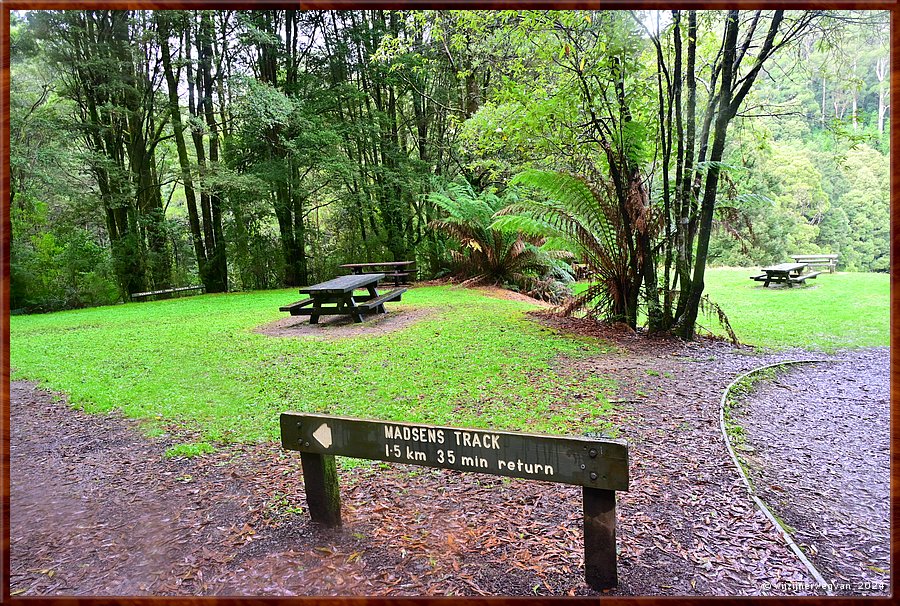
(687, 324)
(881, 65)
(183, 159)
(218, 263)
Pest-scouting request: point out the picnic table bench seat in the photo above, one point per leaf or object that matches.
(294, 308)
(804, 277)
(796, 279)
(377, 303)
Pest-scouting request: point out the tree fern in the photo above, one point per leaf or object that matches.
(587, 217)
(502, 254)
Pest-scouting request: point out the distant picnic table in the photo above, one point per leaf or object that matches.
(828, 261)
(399, 271)
(784, 273)
(335, 297)
(142, 296)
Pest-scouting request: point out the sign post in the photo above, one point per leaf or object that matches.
(600, 466)
(323, 496)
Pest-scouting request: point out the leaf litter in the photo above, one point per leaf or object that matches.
(824, 467)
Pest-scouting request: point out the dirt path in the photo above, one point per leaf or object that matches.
(818, 448)
(97, 509)
(342, 326)
(688, 511)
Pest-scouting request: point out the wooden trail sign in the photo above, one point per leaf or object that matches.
(600, 466)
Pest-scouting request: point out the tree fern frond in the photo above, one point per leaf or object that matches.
(574, 194)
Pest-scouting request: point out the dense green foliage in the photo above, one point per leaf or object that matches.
(255, 149)
(488, 254)
(805, 212)
(167, 361)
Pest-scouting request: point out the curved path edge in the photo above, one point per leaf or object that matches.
(759, 503)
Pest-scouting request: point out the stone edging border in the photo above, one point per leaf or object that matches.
(762, 506)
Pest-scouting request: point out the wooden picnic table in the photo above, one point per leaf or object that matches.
(141, 296)
(784, 273)
(359, 267)
(399, 271)
(828, 261)
(335, 297)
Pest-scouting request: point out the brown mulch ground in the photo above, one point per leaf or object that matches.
(398, 316)
(818, 449)
(97, 509)
(503, 293)
(338, 326)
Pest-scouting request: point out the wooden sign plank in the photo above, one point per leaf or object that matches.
(590, 462)
(599, 466)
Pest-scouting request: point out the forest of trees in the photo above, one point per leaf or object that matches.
(260, 149)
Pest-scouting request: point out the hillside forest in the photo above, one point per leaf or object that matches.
(247, 150)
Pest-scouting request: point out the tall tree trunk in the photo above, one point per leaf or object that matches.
(217, 261)
(183, 159)
(687, 323)
(684, 239)
(137, 99)
(855, 99)
(195, 83)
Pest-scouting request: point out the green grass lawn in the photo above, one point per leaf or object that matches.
(196, 362)
(831, 312)
(834, 311)
(478, 362)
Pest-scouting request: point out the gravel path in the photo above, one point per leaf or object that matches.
(130, 521)
(818, 449)
(687, 505)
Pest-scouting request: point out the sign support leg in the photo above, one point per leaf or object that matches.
(323, 495)
(600, 538)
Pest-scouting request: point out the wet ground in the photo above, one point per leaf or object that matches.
(97, 509)
(818, 449)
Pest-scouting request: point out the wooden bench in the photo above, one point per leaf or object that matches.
(827, 261)
(801, 279)
(141, 296)
(294, 308)
(377, 303)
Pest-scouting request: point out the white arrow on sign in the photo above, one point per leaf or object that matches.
(323, 435)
